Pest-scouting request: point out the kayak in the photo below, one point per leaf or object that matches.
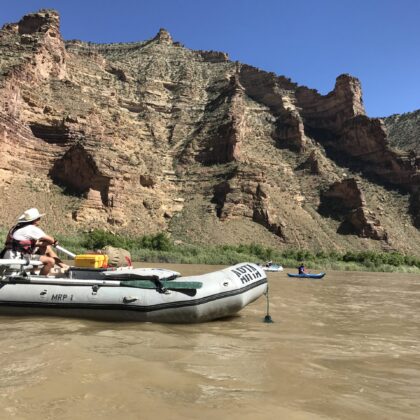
(307, 275)
(129, 294)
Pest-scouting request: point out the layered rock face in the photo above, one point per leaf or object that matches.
(152, 136)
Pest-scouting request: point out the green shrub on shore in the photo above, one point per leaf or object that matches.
(98, 239)
(160, 248)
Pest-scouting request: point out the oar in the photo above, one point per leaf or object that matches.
(19, 262)
(146, 281)
(56, 281)
(64, 250)
(139, 284)
(167, 284)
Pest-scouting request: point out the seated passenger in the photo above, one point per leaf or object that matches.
(26, 239)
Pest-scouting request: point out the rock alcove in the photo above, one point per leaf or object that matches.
(79, 174)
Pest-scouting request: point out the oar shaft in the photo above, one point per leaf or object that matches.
(70, 254)
(54, 281)
(19, 262)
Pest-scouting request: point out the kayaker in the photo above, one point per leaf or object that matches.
(27, 239)
(301, 269)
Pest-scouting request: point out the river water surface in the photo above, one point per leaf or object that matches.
(345, 347)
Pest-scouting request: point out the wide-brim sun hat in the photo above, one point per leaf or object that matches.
(30, 215)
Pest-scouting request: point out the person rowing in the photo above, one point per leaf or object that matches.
(302, 269)
(26, 240)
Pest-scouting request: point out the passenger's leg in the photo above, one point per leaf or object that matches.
(48, 264)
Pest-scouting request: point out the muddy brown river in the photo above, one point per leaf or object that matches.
(345, 347)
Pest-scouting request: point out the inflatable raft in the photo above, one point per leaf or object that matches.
(273, 268)
(129, 294)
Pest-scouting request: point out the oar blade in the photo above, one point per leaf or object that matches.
(168, 284)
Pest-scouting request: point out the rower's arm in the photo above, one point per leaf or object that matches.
(46, 240)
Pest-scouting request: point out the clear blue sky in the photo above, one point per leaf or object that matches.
(310, 41)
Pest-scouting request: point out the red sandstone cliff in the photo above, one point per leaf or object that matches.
(152, 136)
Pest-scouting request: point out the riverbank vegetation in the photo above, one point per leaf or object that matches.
(160, 248)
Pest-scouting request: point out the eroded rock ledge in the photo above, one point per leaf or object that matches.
(345, 201)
